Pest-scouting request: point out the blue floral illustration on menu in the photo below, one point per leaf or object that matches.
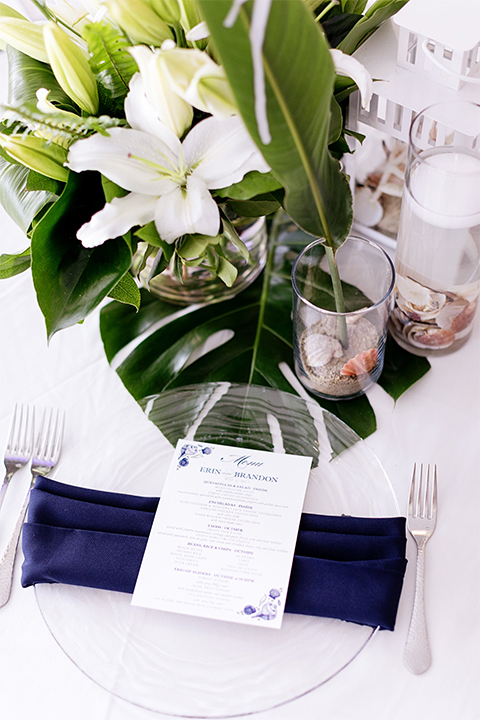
(190, 451)
(267, 607)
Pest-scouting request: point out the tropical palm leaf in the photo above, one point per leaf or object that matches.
(26, 75)
(22, 206)
(111, 61)
(59, 127)
(299, 81)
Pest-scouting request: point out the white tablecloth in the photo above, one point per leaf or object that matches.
(435, 421)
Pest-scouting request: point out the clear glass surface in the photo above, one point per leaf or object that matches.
(338, 355)
(438, 247)
(199, 285)
(192, 667)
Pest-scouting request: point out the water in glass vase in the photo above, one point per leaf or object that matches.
(438, 252)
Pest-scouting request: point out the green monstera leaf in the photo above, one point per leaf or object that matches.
(244, 340)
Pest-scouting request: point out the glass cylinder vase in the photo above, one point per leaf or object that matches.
(200, 286)
(338, 355)
(437, 260)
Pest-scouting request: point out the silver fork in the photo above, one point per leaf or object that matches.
(20, 443)
(45, 457)
(422, 517)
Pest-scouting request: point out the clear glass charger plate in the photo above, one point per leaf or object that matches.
(193, 667)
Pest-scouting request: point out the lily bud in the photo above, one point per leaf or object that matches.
(196, 78)
(75, 16)
(140, 21)
(71, 68)
(170, 109)
(168, 10)
(34, 152)
(24, 36)
(190, 19)
(7, 11)
(189, 14)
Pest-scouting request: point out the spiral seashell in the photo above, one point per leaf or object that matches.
(361, 363)
(320, 349)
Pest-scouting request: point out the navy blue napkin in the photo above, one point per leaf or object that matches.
(344, 567)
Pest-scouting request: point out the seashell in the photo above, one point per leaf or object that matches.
(368, 210)
(456, 316)
(361, 363)
(370, 156)
(391, 188)
(320, 349)
(422, 336)
(399, 319)
(463, 319)
(327, 326)
(417, 301)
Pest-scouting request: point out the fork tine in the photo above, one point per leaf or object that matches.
(411, 499)
(21, 429)
(57, 436)
(422, 491)
(37, 451)
(433, 496)
(11, 443)
(50, 437)
(30, 432)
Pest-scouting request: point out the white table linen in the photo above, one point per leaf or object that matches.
(438, 420)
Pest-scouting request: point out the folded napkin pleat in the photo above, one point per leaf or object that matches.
(107, 561)
(77, 514)
(344, 567)
(358, 591)
(336, 546)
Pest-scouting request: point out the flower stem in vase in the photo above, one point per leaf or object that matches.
(338, 295)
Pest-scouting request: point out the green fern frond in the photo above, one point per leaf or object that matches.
(63, 128)
(111, 62)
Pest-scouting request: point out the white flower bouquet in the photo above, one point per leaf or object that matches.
(152, 123)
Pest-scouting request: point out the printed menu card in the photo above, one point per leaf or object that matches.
(223, 538)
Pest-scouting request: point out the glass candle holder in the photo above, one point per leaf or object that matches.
(437, 260)
(339, 355)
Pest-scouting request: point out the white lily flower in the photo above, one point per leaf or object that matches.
(196, 78)
(168, 181)
(349, 67)
(169, 107)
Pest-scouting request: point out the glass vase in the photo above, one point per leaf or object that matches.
(437, 259)
(199, 286)
(339, 355)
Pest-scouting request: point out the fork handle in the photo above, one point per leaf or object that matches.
(8, 558)
(417, 656)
